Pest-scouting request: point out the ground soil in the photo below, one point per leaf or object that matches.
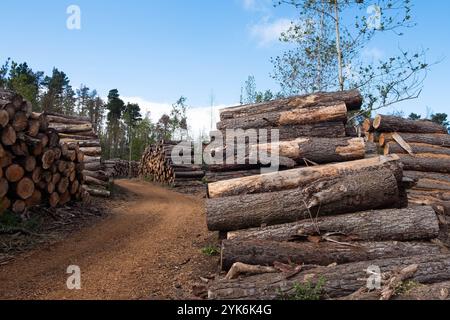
(148, 247)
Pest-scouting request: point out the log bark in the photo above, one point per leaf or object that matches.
(352, 193)
(393, 147)
(298, 178)
(441, 140)
(95, 182)
(426, 162)
(324, 129)
(97, 192)
(318, 150)
(352, 100)
(384, 123)
(265, 253)
(69, 128)
(340, 281)
(409, 224)
(294, 116)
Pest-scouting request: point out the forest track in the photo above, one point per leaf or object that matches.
(148, 248)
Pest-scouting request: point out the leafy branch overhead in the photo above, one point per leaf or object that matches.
(330, 44)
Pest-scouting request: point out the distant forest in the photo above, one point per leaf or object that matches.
(122, 128)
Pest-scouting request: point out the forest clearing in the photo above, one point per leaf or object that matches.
(329, 180)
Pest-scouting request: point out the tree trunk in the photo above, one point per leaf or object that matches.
(324, 129)
(265, 253)
(25, 188)
(397, 124)
(318, 150)
(345, 194)
(407, 224)
(352, 99)
(426, 162)
(301, 116)
(394, 147)
(299, 178)
(71, 128)
(339, 281)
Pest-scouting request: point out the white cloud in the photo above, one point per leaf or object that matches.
(267, 32)
(199, 118)
(373, 54)
(256, 5)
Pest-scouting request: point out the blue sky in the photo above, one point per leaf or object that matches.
(154, 51)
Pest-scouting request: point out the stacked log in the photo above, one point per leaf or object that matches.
(341, 213)
(312, 130)
(118, 168)
(157, 165)
(35, 166)
(77, 130)
(424, 149)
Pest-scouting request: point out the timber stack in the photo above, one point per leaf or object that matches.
(299, 226)
(77, 130)
(424, 149)
(36, 167)
(348, 210)
(157, 165)
(118, 168)
(312, 131)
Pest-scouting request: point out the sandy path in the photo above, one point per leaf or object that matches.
(144, 250)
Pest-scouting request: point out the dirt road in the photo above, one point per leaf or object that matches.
(149, 248)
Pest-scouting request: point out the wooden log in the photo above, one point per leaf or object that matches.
(54, 199)
(71, 128)
(20, 121)
(418, 175)
(384, 123)
(91, 151)
(18, 206)
(14, 173)
(442, 140)
(63, 185)
(367, 125)
(298, 178)
(339, 281)
(6, 160)
(352, 100)
(35, 199)
(67, 120)
(9, 136)
(4, 118)
(351, 193)
(394, 147)
(318, 150)
(408, 224)
(4, 187)
(426, 162)
(265, 253)
(95, 182)
(324, 129)
(296, 116)
(47, 159)
(25, 188)
(437, 291)
(97, 192)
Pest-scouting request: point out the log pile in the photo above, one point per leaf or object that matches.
(157, 165)
(312, 130)
(297, 222)
(424, 150)
(75, 130)
(36, 167)
(118, 168)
